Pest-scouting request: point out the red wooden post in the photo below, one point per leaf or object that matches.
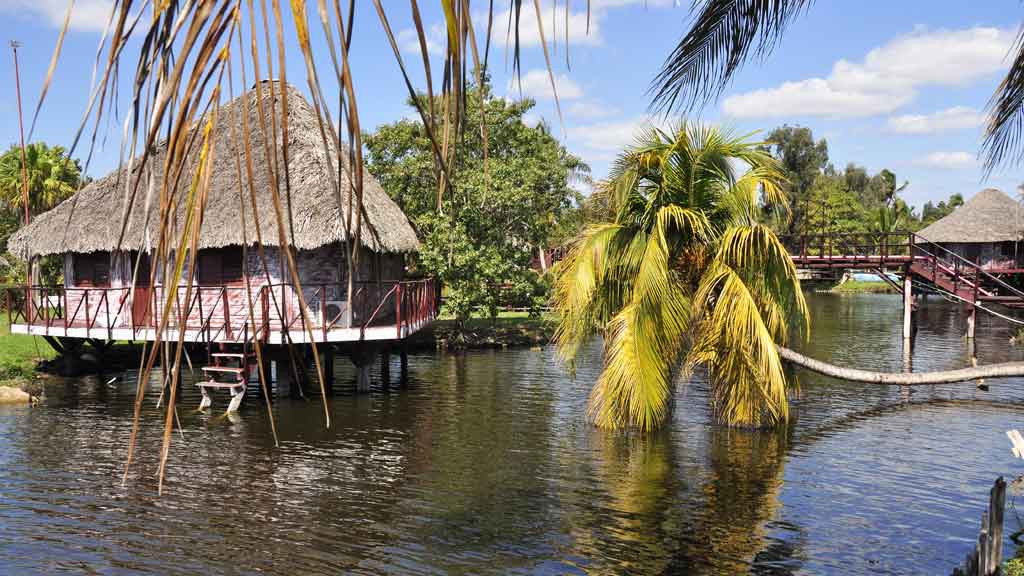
(323, 310)
(106, 308)
(265, 291)
(10, 311)
(87, 323)
(227, 312)
(398, 309)
(65, 314)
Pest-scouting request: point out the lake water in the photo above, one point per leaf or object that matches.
(485, 465)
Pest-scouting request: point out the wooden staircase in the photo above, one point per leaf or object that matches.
(228, 370)
(961, 278)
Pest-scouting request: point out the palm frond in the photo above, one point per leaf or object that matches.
(1005, 124)
(720, 39)
(749, 387)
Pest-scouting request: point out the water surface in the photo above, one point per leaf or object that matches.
(485, 465)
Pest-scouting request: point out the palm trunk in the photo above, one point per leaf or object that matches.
(1001, 370)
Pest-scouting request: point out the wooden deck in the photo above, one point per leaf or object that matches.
(224, 314)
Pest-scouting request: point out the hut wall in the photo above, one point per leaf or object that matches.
(88, 302)
(991, 255)
(322, 271)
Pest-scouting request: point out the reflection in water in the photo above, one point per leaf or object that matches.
(486, 465)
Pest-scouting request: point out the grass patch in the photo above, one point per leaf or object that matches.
(861, 287)
(508, 329)
(19, 353)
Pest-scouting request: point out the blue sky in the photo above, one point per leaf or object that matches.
(901, 85)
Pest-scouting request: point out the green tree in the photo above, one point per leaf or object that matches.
(52, 177)
(685, 272)
(497, 214)
(803, 159)
(932, 212)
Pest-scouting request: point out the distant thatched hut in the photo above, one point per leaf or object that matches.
(85, 229)
(986, 230)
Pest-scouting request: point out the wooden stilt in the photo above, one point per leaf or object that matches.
(908, 306)
(972, 318)
(327, 363)
(385, 368)
(404, 362)
(363, 378)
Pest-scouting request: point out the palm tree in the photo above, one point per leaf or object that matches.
(52, 177)
(725, 33)
(684, 275)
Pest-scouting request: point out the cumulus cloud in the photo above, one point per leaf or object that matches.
(948, 160)
(886, 79)
(87, 15)
(554, 26)
(955, 118)
(602, 141)
(536, 84)
(409, 40)
(591, 109)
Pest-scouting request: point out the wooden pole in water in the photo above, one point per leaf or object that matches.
(908, 306)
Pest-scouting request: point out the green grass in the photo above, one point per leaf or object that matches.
(508, 329)
(859, 287)
(19, 354)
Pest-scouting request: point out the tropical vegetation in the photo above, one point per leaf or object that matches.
(510, 199)
(685, 274)
(52, 177)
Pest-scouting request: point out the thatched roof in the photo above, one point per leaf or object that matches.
(91, 220)
(989, 216)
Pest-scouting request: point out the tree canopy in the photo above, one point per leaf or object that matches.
(507, 200)
(52, 177)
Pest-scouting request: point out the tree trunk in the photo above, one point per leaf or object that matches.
(1001, 370)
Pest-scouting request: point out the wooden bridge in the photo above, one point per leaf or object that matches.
(916, 260)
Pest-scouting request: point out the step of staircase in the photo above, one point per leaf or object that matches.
(228, 355)
(211, 384)
(224, 369)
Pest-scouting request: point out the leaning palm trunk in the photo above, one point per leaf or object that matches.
(685, 275)
(1000, 370)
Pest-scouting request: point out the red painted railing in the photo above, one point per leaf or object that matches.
(223, 313)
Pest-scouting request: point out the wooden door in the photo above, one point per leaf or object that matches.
(142, 302)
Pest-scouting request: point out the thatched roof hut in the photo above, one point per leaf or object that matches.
(990, 216)
(91, 220)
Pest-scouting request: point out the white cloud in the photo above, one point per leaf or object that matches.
(603, 141)
(409, 41)
(536, 84)
(886, 79)
(955, 118)
(90, 15)
(553, 23)
(948, 160)
(591, 109)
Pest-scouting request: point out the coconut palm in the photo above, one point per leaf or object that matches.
(725, 33)
(684, 275)
(52, 177)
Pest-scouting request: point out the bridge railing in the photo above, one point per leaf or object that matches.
(846, 246)
(938, 258)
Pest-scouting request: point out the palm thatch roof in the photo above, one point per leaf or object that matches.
(990, 216)
(91, 220)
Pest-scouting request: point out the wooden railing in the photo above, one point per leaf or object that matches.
(882, 246)
(223, 313)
